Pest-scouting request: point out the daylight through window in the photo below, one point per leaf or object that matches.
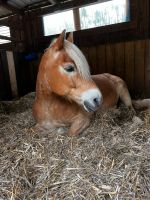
(55, 23)
(95, 15)
(4, 31)
(103, 14)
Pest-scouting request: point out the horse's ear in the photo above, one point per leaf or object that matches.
(70, 37)
(60, 41)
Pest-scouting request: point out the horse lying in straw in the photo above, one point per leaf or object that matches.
(66, 93)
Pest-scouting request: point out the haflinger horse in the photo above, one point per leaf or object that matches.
(67, 94)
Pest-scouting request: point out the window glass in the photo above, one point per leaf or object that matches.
(4, 31)
(102, 14)
(55, 23)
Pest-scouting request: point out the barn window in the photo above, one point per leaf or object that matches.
(55, 23)
(102, 14)
(4, 31)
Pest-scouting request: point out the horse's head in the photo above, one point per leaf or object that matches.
(67, 74)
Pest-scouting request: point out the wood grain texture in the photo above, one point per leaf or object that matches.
(139, 69)
(12, 73)
(101, 58)
(119, 59)
(110, 58)
(129, 64)
(147, 69)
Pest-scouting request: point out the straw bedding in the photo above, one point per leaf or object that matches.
(110, 160)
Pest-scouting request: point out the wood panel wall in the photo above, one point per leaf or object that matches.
(5, 86)
(129, 60)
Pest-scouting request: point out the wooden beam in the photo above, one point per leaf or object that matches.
(7, 15)
(12, 73)
(52, 1)
(5, 37)
(76, 16)
(61, 6)
(10, 38)
(67, 5)
(36, 5)
(6, 46)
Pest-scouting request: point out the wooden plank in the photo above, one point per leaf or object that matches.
(110, 58)
(129, 64)
(63, 6)
(2, 82)
(101, 58)
(93, 60)
(85, 51)
(12, 73)
(76, 16)
(143, 15)
(139, 69)
(147, 69)
(119, 59)
(5, 92)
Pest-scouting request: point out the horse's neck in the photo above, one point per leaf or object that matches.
(42, 90)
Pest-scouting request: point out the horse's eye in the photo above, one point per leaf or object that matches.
(69, 68)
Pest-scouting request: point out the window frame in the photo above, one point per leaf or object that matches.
(3, 37)
(136, 28)
(112, 27)
(54, 14)
(108, 32)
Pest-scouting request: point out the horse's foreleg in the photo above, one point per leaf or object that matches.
(43, 127)
(78, 126)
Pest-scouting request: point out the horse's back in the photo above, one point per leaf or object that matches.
(107, 84)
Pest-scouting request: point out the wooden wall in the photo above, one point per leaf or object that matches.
(5, 87)
(129, 60)
(16, 25)
(17, 75)
(122, 49)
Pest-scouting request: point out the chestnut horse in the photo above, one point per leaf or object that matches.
(66, 93)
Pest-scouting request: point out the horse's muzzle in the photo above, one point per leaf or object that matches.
(91, 99)
(92, 106)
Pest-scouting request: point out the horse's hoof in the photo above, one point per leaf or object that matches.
(37, 129)
(70, 134)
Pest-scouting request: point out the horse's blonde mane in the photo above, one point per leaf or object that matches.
(77, 56)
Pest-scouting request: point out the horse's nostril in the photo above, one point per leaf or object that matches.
(96, 101)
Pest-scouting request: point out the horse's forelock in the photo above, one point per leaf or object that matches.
(77, 56)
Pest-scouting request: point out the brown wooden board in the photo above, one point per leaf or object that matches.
(129, 64)
(101, 58)
(139, 69)
(93, 60)
(119, 59)
(110, 58)
(5, 88)
(147, 69)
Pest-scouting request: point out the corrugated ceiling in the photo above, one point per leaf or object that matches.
(22, 3)
(9, 6)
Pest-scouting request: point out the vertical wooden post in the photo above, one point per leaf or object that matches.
(76, 16)
(12, 73)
